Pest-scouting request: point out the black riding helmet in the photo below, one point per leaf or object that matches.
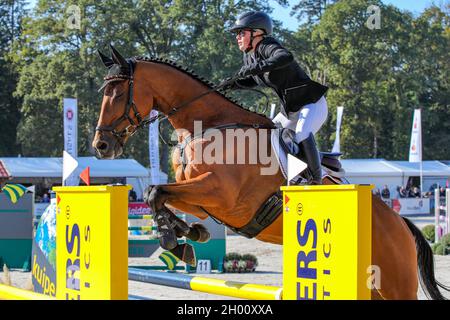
(251, 21)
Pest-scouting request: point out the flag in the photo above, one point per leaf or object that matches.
(337, 140)
(14, 191)
(153, 148)
(70, 164)
(86, 176)
(70, 108)
(415, 149)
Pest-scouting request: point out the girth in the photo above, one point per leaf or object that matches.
(264, 217)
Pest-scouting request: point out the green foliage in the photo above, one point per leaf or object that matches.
(311, 10)
(438, 249)
(380, 76)
(443, 246)
(428, 232)
(232, 256)
(250, 257)
(445, 240)
(235, 262)
(11, 15)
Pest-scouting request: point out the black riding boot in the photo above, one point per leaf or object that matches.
(308, 152)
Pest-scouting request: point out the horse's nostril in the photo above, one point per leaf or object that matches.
(101, 145)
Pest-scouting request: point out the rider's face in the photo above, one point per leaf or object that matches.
(243, 39)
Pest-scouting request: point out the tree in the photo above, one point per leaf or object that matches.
(372, 74)
(312, 10)
(11, 14)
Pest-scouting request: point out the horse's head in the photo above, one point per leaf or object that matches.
(122, 110)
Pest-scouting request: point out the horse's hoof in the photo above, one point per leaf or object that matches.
(185, 252)
(201, 233)
(168, 243)
(167, 238)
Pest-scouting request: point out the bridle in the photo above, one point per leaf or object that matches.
(133, 126)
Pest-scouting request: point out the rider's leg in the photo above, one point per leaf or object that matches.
(311, 118)
(284, 122)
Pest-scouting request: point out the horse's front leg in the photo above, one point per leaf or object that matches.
(169, 226)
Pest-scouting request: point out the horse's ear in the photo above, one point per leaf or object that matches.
(117, 58)
(106, 60)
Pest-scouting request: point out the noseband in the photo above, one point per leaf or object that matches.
(133, 126)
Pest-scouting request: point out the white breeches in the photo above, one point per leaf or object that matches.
(309, 119)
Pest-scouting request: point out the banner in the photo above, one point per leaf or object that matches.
(337, 141)
(410, 206)
(139, 208)
(415, 149)
(153, 148)
(71, 137)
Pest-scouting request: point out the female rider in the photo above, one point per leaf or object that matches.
(267, 63)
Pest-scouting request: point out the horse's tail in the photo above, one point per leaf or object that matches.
(425, 262)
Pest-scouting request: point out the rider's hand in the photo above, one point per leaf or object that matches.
(244, 72)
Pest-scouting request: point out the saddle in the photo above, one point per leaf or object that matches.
(283, 144)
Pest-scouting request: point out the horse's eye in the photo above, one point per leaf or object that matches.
(119, 95)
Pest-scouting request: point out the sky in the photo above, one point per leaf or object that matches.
(291, 23)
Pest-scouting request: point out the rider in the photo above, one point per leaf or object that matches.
(267, 63)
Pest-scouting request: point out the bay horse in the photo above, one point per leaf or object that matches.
(229, 192)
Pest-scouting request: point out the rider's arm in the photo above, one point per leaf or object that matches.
(275, 57)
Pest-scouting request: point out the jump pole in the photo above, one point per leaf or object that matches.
(12, 293)
(208, 285)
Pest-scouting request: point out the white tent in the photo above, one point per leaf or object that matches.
(382, 172)
(378, 172)
(52, 167)
(433, 172)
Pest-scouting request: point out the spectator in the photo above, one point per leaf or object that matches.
(132, 196)
(45, 198)
(415, 193)
(385, 193)
(402, 192)
(441, 192)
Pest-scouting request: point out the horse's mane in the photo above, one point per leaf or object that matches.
(195, 76)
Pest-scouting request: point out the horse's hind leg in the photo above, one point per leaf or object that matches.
(394, 252)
